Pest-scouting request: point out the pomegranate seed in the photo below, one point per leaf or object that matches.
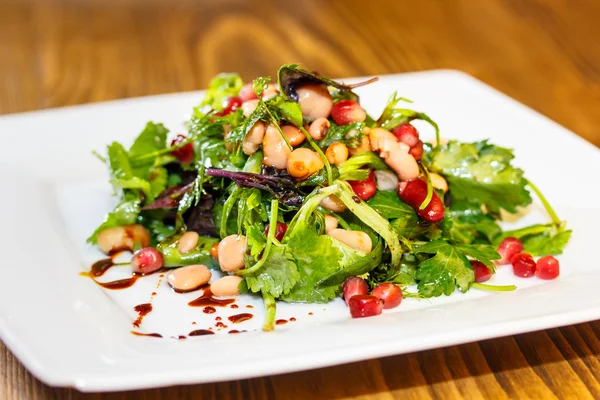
(280, 230)
(389, 293)
(523, 265)
(233, 103)
(365, 306)
(508, 248)
(482, 272)
(146, 260)
(354, 286)
(247, 93)
(347, 111)
(414, 192)
(547, 268)
(366, 188)
(417, 150)
(406, 133)
(184, 154)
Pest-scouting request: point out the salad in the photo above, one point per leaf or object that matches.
(297, 194)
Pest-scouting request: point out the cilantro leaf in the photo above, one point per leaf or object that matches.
(540, 239)
(389, 205)
(350, 135)
(277, 276)
(449, 267)
(481, 173)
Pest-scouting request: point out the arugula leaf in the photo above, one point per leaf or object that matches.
(481, 173)
(449, 267)
(152, 138)
(221, 87)
(278, 275)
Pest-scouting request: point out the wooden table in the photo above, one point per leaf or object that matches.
(545, 53)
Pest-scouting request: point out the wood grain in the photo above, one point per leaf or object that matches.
(545, 53)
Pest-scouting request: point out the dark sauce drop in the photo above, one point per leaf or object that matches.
(249, 306)
(220, 325)
(234, 331)
(101, 266)
(292, 319)
(207, 299)
(120, 284)
(158, 335)
(218, 318)
(201, 332)
(209, 310)
(235, 306)
(281, 322)
(205, 287)
(236, 319)
(142, 310)
(181, 337)
(310, 313)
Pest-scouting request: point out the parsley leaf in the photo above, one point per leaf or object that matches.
(449, 267)
(540, 239)
(277, 276)
(152, 138)
(481, 173)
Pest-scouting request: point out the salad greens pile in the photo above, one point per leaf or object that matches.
(217, 190)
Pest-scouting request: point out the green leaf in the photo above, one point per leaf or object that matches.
(133, 183)
(277, 276)
(152, 138)
(125, 213)
(118, 162)
(393, 116)
(449, 267)
(467, 223)
(199, 255)
(545, 244)
(389, 205)
(221, 87)
(352, 169)
(540, 239)
(481, 173)
(360, 266)
(350, 135)
(290, 112)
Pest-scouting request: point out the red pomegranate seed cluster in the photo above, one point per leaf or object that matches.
(185, 154)
(511, 251)
(408, 134)
(361, 304)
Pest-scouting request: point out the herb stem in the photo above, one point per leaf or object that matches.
(99, 156)
(320, 153)
(270, 237)
(546, 204)
(429, 196)
(270, 310)
(493, 288)
(274, 122)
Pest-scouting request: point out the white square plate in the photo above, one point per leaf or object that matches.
(70, 332)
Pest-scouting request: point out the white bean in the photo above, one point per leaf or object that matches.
(123, 238)
(254, 138)
(403, 163)
(333, 203)
(356, 239)
(315, 101)
(191, 277)
(386, 180)
(337, 153)
(276, 152)
(188, 242)
(303, 162)
(226, 286)
(293, 135)
(438, 182)
(330, 223)
(231, 252)
(318, 128)
(249, 106)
